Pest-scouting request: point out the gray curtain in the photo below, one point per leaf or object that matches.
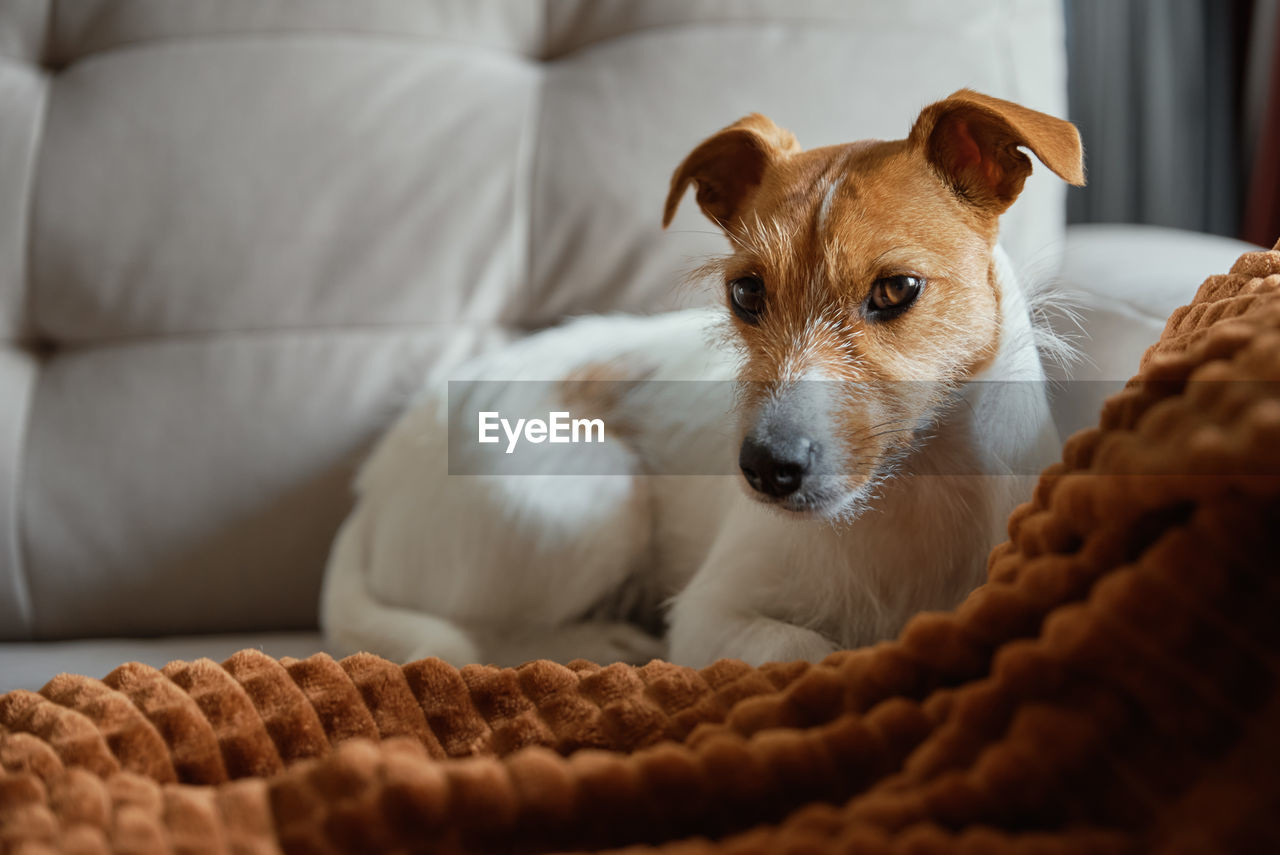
(1153, 89)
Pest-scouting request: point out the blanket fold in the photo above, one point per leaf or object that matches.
(1111, 688)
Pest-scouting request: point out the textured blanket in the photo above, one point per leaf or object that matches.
(1111, 688)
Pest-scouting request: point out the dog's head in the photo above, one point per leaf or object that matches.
(861, 282)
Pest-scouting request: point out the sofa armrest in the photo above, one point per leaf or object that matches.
(1126, 279)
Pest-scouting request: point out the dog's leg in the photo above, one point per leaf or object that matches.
(355, 621)
(702, 632)
(759, 568)
(601, 641)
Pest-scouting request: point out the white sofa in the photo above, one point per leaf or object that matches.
(234, 233)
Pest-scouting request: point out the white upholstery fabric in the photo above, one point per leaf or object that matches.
(234, 233)
(1125, 280)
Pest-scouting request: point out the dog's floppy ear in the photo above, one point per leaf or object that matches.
(972, 141)
(728, 167)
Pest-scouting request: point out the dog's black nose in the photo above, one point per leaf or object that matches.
(776, 469)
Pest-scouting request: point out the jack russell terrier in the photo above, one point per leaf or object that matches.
(874, 387)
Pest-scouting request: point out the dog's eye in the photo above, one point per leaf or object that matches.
(746, 295)
(892, 295)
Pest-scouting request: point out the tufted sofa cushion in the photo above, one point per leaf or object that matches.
(234, 234)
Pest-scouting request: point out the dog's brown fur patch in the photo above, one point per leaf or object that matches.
(595, 391)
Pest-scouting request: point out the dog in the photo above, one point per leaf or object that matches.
(870, 408)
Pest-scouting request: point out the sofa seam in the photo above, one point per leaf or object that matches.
(19, 548)
(318, 34)
(751, 21)
(74, 346)
(26, 335)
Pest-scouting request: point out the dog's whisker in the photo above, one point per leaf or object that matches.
(907, 430)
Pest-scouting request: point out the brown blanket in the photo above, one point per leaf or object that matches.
(1112, 688)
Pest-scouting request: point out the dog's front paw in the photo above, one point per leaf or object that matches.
(605, 642)
(602, 642)
(795, 644)
(754, 640)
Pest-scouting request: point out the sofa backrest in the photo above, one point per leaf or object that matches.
(234, 234)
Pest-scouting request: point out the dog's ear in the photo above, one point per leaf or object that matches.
(972, 141)
(728, 168)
